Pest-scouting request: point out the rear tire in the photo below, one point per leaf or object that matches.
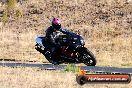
(87, 57)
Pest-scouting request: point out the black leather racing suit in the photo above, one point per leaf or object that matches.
(51, 35)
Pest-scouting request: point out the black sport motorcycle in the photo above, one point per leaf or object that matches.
(71, 49)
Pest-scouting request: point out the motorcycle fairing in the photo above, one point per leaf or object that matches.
(40, 40)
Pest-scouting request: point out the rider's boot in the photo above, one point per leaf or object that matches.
(55, 56)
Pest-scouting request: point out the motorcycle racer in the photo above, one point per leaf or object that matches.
(52, 34)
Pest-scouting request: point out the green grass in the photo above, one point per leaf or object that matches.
(11, 4)
(11, 10)
(5, 17)
(71, 68)
(127, 64)
(19, 13)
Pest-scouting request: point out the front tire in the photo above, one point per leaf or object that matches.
(87, 57)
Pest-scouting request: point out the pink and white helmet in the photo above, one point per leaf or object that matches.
(56, 23)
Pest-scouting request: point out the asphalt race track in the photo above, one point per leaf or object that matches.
(61, 67)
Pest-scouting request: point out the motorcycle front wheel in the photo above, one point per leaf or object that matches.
(87, 57)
